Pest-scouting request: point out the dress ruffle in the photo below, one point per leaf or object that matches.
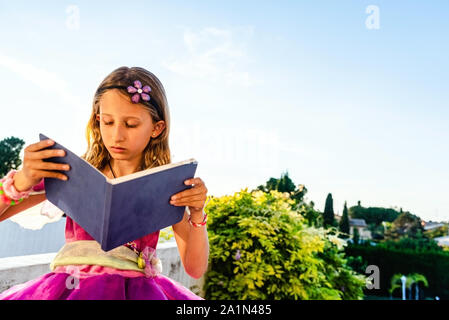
(63, 286)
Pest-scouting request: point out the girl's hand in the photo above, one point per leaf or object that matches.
(194, 198)
(34, 168)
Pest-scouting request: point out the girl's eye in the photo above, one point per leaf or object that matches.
(129, 126)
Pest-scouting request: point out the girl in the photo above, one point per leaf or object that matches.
(127, 132)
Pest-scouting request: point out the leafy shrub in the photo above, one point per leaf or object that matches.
(420, 244)
(166, 234)
(262, 249)
(391, 260)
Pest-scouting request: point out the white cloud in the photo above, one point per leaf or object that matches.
(42, 78)
(215, 54)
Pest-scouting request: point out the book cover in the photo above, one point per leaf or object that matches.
(116, 211)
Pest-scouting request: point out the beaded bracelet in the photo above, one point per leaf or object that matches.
(8, 191)
(6, 199)
(198, 225)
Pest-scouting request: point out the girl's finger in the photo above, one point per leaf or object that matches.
(199, 204)
(195, 181)
(52, 166)
(187, 194)
(50, 153)
(52, 174)
(39, 145)
(199, 196)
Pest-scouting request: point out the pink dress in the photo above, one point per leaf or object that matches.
(94, 282)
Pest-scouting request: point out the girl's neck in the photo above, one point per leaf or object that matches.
(122, 167)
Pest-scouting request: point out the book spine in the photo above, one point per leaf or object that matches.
(106, 213)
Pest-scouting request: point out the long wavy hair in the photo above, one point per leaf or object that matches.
(157, 151)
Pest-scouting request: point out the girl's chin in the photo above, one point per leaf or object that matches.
(121, 156)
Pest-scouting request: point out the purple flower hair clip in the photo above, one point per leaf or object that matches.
(139, 92)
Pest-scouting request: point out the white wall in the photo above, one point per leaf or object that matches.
(18, 241)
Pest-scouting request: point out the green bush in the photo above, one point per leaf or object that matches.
(391, 260)
(262, 249)
(420, 244)
(166, 234)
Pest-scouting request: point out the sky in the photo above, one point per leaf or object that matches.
(348, 97)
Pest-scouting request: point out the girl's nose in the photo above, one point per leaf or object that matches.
(118, 134)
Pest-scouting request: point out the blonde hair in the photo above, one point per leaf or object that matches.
(157, 151)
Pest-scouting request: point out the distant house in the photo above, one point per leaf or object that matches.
(442, 241)
(361, 226)
(432, 225)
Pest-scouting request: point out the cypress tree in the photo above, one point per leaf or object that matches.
(356, 236)
(344, 222)
(285, 184)
(328, 214)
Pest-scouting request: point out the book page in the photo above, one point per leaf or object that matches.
(149, 171)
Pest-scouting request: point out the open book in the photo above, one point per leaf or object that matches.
(116, 211)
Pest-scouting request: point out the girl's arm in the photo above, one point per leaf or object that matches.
(7, 211)
(193, 245)
(31, 175)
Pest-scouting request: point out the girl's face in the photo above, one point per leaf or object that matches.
(126, 125)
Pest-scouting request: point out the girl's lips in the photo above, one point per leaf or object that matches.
(117, 149)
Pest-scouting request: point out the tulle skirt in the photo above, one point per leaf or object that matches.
(62, 286)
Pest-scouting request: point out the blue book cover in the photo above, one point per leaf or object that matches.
(116, 211)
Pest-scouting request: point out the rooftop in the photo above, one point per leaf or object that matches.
(357, 222)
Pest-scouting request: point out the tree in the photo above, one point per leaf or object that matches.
(314, 218)
(373, 215)
(411, 279)
(328, 214)
(9, 154)
(355, 236)
(285, 184)
(395, 283)
(416, 279)
(344, 222)
(405, 225)
(299, 193)
(271, 184)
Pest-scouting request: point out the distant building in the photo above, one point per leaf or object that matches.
(432, 225)
(361, 226)
(442, 241)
